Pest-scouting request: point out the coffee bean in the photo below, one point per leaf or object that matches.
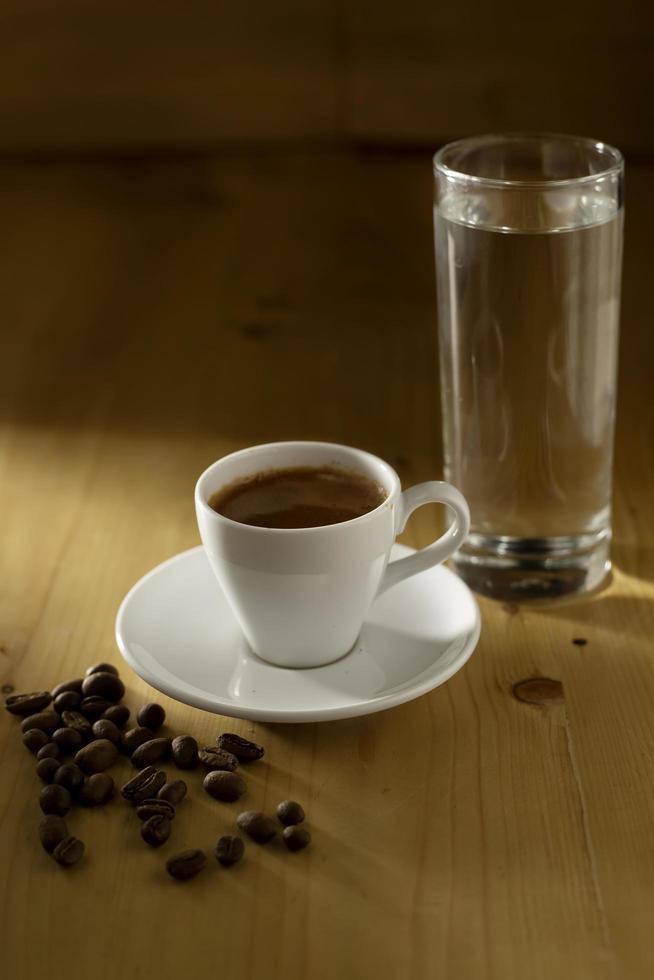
(186, 864)
(118, 713)
(103, 684)
(28, 704)
(69, 851)
(35, 739)
(289, 813)
(217, 759)
(156, 830)
(173, 792)
(52, 830)
(74, 685)
(70, 776)
(97, 789)
(102, 668)
(257, 825)
(97, 756)
(47, 768)
(103, 728)
(77, 721)
(133, 737)
(296, 838)
(244, 750)
(67, 701)
(69, 740)
(49, 751)
(229, 850)
(155, 808)
(144, 786)
(151, 716)
(46, 721)
(55, 799)
(185, 752)
(156, 750)
(94, 707)
(225, 786)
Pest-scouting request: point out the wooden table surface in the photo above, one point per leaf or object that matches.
(157, 314)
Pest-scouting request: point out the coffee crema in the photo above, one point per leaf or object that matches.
(298, 496)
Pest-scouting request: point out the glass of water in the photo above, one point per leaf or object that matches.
(528, 254)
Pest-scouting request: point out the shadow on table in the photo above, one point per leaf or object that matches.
(634, 560)
(628, 615)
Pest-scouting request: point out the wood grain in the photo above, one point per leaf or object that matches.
(156, 315)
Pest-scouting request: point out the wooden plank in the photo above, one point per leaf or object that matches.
(443, 73)
(156, 316)
(141, 75)
(146, 75)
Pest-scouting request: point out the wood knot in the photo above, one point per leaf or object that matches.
(254, 331)
(539, 690)
(580, 641)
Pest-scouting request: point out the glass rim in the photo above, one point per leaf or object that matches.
(440, 167)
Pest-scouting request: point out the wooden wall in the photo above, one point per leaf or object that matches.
(144, 74)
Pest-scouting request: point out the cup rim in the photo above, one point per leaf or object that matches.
(440, 167)
(202, 502)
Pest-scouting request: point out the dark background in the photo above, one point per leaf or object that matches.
(112, 75)
(216, 217)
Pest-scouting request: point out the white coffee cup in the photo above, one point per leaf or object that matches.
(301, 595)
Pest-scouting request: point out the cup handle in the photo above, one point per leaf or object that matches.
(434, 492)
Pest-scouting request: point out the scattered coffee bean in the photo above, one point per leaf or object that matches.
(155, 808)
(77, 721)
(49, 751)
(229, 850)
(66, 716)
(47, 768)
(69, 851)
(52, 830)
(156, 750)
(289, 813)
(218, 759)
(69, 740)
(144, 786)
(257, 825)
(244, 750)
(296, 838)
(103, 684)
(70, 776)
(67, 701)
(103, 728)
(185, 752)
(46, 721)
(156, 830)
(28, 704)
(94, 707)
(102, 668)
(225, 786)
(186, 864)
(97, 789)
(133, 737)
(118, 713)
(173, 792)
(35, 739)
(55, 799)
(151, 716)
(75, 685)
(97, 756)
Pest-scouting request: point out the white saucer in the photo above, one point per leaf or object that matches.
(176, 630)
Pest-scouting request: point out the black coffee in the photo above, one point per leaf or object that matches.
(301, 496)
